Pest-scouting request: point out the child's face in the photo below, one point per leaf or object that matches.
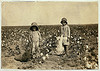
(34, 28)
(63, 24)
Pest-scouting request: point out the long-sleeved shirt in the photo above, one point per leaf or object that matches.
(65, 33)
(35, 36)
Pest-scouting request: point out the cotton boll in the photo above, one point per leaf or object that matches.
(80, 37)
(41, 54)
(85, 58)
(71, 36)
(47, 50)
(74, 39)
(3, 41)
(50, 45)
(88, 65)
(87, 46)
(47, 44)
(27, 41)
(96, 66)
(2, 44)
(43, 57)
(78, 41)
(50, 35)
(40, 62)
(47, 55)
(58, 31)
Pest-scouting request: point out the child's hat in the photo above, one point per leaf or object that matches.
(63, 20)
(34, 24)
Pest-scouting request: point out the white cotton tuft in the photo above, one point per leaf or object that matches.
(41, 54)
(43, 57)
(47, 55)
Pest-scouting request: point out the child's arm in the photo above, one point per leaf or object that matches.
(40, 38)
(69, 32)
(30, 38)
(61, 32)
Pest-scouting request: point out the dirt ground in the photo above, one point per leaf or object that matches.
(54, 62)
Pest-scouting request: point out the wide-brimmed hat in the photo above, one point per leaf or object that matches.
(34, 24)
(64, 20)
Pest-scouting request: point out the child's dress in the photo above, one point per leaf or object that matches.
(65, 32)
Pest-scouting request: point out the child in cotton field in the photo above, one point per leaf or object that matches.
(35, 38)
(65, 34)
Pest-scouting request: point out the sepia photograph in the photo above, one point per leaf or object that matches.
(49, 35)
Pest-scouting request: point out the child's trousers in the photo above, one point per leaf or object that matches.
(66, 49)
(35, 48)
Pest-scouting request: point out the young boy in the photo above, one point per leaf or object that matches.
(65, 34)
(35, 38)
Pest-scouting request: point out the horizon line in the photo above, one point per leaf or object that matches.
(51, 24)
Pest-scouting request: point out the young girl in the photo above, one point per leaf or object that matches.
(65, 34)
(35, 38)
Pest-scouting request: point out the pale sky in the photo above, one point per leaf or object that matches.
(48, 13)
